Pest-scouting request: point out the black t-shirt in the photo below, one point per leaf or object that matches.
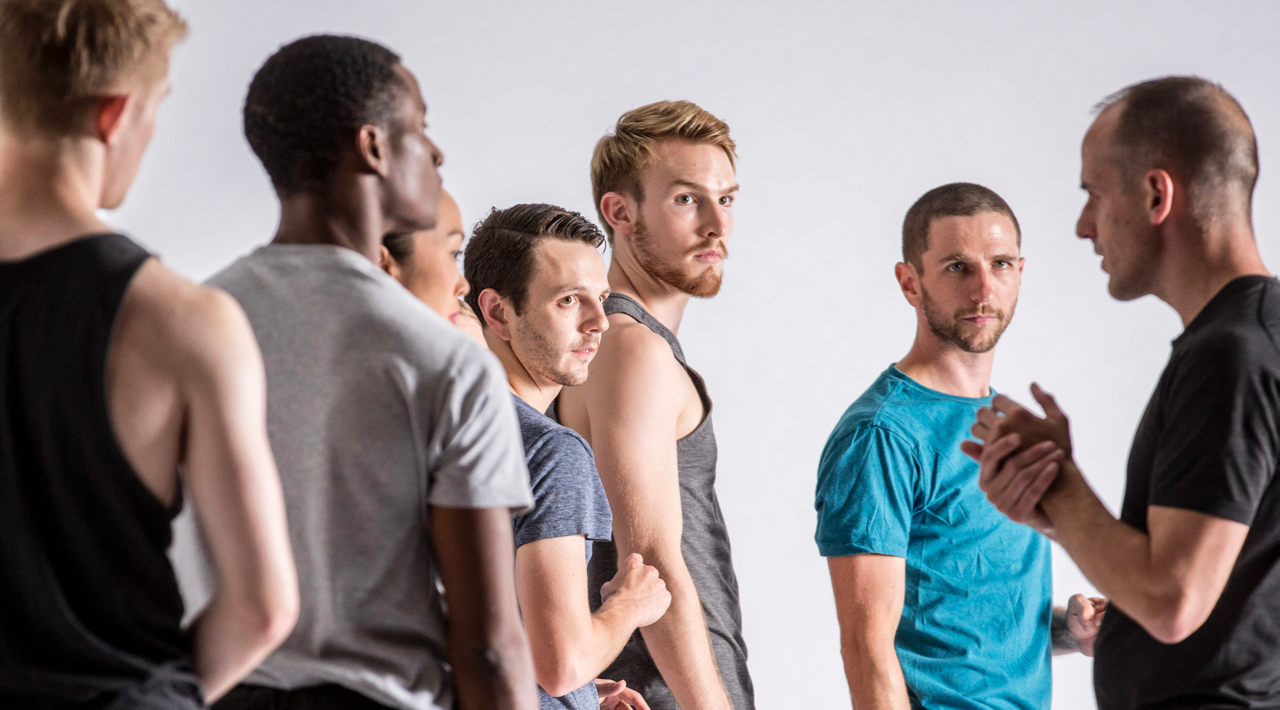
(1208, 442)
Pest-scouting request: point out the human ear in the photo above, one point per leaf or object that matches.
(617, 211)
(371, 145)
(1159, 188)
(493, 312)
(909, 282)
(388, 264)
(109, 116)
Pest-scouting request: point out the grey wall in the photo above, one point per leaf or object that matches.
(844, 113)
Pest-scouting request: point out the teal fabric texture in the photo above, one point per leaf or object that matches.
(892, 480)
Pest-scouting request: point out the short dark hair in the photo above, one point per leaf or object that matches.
(502, 253)
(959, 199)
(308, 100)
(1192, 128)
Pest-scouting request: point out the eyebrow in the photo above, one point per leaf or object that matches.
(697, 186)
(957, 256)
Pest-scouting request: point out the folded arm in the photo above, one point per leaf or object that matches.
(570, 644)
(1167, 579)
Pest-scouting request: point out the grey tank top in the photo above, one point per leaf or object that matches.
(705, 545)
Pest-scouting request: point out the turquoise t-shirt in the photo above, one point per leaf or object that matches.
(978, 600)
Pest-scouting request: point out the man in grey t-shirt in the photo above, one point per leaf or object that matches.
(398, 448)
(538, 284)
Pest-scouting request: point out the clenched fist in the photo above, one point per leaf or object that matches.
(638, 586)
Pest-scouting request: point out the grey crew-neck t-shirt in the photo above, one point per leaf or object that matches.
(568, 500)
(377, 410)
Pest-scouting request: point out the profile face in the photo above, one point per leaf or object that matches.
(1113, 217)
(557, 334)
(432, 273)
(969, 279)
(413, 179)
(686, 216)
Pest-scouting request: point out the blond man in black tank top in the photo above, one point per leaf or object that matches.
(664, 185)
(92, 618)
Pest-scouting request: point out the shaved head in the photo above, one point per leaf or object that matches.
(1194, 130)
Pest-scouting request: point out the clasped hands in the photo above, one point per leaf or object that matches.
(1020, 456)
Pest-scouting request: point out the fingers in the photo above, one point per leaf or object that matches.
(609, 688)
(1006, 406)
(633, 560)
(635, 700)
(1047, 403)
(972, 449)
(992, 454)
(1040, 482)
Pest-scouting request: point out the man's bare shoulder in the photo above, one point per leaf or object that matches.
(181, 323)
(631, 346)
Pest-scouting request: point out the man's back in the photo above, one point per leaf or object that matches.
(377, 410)
(91, 608)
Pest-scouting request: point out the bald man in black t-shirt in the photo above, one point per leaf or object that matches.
(1192, 567)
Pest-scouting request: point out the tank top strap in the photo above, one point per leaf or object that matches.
(622, 303)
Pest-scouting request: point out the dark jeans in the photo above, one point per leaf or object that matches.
(317, 697)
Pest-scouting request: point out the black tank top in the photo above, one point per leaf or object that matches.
(704, 544)
(89, 607)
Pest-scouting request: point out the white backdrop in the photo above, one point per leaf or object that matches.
(844, 114)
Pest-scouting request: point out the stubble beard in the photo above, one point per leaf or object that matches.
(949, 329)
(677, 274)
(544, 359)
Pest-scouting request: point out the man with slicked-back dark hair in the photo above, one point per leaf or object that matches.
(1192, 565)
(398, 446)
(942, 601)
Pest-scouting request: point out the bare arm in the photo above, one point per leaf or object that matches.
(869, 597)
(237, 498)
(633, 401)
(571, 645)
(487, 646)
(1167, 579)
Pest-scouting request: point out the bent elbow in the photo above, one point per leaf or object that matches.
(560, 676)
(1177, 619)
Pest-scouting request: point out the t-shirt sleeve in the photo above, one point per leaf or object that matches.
(1217, 447)
(480, 463)
(568, 496)
(866, 493)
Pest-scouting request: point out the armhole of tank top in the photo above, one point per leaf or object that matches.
(103, 405)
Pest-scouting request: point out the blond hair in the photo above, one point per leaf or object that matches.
(621, 157)
(58, 56)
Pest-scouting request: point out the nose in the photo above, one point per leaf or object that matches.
(985, 284)
(1085, 226)
(437, 156)
(596, 321)
(719, 222)
(462, 288)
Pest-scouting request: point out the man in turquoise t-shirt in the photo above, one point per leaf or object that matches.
(943, 602)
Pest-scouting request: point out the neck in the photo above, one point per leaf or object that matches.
(535, 392)
(946, 368)
(660, 299)
(49, 192)
(1200, 261)
(349, 218)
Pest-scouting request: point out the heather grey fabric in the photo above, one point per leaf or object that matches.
(705, 545)
(377, 409)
